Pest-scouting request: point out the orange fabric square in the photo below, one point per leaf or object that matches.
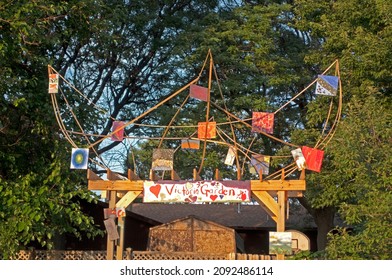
(206, 130)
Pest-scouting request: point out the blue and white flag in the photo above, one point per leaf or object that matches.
(327, 85)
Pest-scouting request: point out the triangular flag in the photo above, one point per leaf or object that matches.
(53, 83)
(79, 158)
(190, 144)
(260, 162)
(162, 159)
(299, 158)
(198, 92)
(313, 158)
(262, 122)
(118, 131)
(230, 156)
(327, 85)
(206, 130)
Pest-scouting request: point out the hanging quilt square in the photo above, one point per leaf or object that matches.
(53, 83)
(162, 159)
(327, 85)
(117, 131)
(299, 158)
(252, 169)
(230, 156)
(261, 163)
(263, 122)
(206, 130)
(198, 92)
(313, 158)
(190, 144)
(79, 158)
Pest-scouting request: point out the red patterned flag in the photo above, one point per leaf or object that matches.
(198, 92)
(118, 131)
(206, 130)
(313, 158)
(263, 122)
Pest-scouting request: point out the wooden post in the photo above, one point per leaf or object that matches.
(110, 243)
(217, 175)
(120, 244)
(280, 225)
(196, 176)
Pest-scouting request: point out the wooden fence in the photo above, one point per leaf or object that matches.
(129, 254)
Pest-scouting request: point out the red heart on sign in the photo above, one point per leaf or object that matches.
(213, 197)
(243, 196)
(155, 190)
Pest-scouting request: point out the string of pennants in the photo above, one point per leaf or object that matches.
(305, 157)
(162, 159)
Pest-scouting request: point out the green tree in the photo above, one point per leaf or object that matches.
(358, 185)
(39, 197)
(113, 52)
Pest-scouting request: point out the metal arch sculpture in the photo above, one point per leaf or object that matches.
(279, 184)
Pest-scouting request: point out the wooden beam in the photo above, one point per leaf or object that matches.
(268, 203)
(271, 185)
(280, 224)
(196, 176)
(110, 243)
(117, 185)
(302, 176)
(92, 176)
(289, 193)
(217, 175)
(153, 176)
(132, 175)
(174, 175)
(278, 185)
(115, 176)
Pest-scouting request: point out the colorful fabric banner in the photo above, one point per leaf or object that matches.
(206, 130)
(190, 144)
(79, 158)
(198, 92)
(299, 158)
(313, 158)
(53, 83)
(197, 191)
(162, 159)
(327, 85)
(118, 131)
(260, 163)
(230, 156)
(262, 122)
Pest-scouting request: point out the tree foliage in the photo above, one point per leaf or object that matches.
(125, 56)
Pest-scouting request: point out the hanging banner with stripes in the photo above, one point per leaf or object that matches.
(53, 83)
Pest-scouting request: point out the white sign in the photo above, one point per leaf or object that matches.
(197, 191)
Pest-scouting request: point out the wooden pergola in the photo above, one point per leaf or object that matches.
(272, 195)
